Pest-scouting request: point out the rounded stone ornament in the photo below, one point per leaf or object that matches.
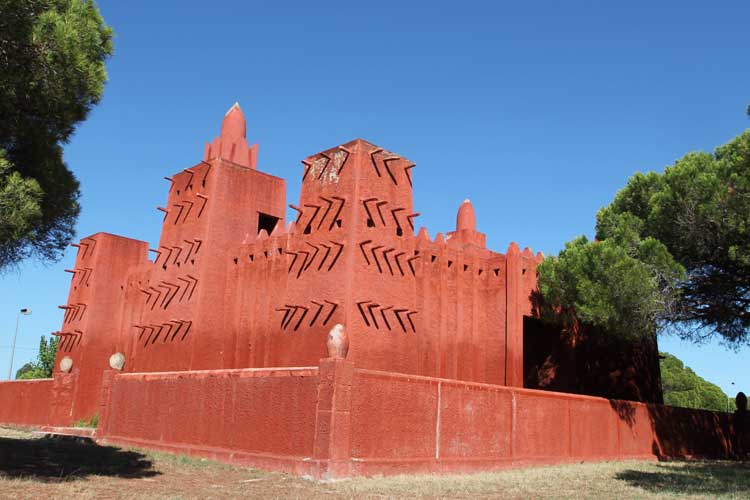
(66, 364)
(338, 342)
(117, 361)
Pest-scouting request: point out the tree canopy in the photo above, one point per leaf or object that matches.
(44, 364)
(52, 73)
(699, 208)
(624, 285)
(683, 387)
(671, 249)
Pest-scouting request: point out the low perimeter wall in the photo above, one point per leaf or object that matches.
(38, 402)
(260, 417)
(337, 421)
(26, 402)
(405, 423)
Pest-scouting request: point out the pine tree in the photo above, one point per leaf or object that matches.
(52, 73)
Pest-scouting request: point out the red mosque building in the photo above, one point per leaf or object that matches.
(233, 285)
(223, 331)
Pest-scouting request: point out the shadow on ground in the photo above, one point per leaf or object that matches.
(57, 459)
(714, 478)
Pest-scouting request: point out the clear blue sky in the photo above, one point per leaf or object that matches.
(537, 111)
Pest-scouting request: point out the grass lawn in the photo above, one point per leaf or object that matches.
(39, 468)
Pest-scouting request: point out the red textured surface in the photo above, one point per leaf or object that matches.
(594, 428)
(582, 360)
(291, 419)
(393, 417)
(334, 421)
(269, 412)
(474, 420)
(94, 321)
(542, 427)
(25, 402)
(636, 431)
(411, 424)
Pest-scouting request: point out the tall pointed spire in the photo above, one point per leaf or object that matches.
(466, 227)
(232, 145)
(234, 125)
(466, 218)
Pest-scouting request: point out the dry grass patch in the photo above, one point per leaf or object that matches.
(632, 480)
(77, 469)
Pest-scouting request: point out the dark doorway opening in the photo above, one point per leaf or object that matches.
(548, 361)
(592, 362)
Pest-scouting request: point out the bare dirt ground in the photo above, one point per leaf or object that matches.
(33, 467)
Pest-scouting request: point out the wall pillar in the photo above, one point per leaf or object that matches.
(63, 395)
(515, 302)
(332, 447)
(108, 378)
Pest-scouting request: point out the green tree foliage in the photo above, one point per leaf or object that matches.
(623, 285)
(671, 249)
(20, 203)
(21, 373)
(699, 208)
(52, 73)
(683, 387)
(44, 364)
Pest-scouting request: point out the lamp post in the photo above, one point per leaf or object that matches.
(25, 311)
(728, 396)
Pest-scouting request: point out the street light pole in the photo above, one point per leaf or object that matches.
(25, 311)
(728, 400)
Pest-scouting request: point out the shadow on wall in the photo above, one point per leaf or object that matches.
(625, 411)
(587, 361)
(706, 478)
(67, 459)
(684, 432)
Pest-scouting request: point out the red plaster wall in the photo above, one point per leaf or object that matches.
(238, 196)
(335, 421)
(264, 413)
(485, 430)
(409, 424)
(91, 331)
(181, 308)
(25, 402)
(392, 417)
(601, 439)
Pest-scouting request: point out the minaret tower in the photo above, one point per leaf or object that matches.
(466, 227)
(212, 207)
(232, 144)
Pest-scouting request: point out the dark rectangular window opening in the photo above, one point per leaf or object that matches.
(267, 222)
